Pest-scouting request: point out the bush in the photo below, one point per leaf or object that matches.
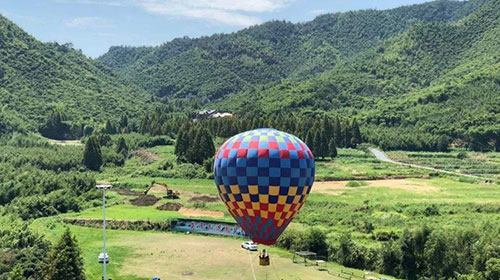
(493, 269)
(111, 158)
(313, 239)
(385, 235)
(355, 184)
(348, 253)
(167, 165)
(208, 164)
(462, 155)
(432, 210)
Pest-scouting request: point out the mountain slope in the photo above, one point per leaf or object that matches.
(36, 77)
(269, 52)
(439, 78)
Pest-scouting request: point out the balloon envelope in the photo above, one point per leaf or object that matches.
(264, 177)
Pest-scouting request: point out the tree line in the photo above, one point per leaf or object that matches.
(323, 135)
(27, 255)
(422, 252)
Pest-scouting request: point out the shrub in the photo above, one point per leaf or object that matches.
(167, 165)
(432, 210)
(462, 155)
(385, 235)
(355, 184)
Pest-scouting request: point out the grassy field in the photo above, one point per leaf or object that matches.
(359, 165)
(353, 193)
(64, 142)
(351, 164)
(143, 255)
(339, 206)
(485, 165)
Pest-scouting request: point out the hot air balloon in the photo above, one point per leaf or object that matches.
(264, 177)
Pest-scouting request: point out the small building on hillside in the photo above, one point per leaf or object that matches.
(212, 114)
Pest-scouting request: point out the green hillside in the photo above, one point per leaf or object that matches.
(405, 74)
(36, 78)
(212, 67)
(439, 78)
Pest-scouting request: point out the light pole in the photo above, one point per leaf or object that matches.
(105, 255)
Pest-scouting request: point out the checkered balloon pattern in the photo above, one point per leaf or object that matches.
(264, 177)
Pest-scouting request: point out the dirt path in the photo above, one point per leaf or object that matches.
(65, 142)
(339, 187)
(193, 212)
(383, 157)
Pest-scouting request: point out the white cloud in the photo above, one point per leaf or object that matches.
(232, 5)
(319, 12)
(116, 3)
(196, 9)
(230, 12)
(88, 22)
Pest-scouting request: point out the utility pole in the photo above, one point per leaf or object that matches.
(105, 255)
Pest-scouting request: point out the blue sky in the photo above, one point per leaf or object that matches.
(95, 25)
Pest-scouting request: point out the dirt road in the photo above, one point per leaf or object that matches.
(383, 157)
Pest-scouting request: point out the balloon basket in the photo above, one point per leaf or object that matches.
(264, 261)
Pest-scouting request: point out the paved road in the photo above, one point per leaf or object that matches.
(383, 157)
(380, 155)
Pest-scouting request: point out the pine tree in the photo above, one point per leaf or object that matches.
(184, 140)
(317, 144)
(321, 144)
(144, 125)
(124, 121)
(346, 133)
(55, 127)
(310, 141)
(109, 128)
(122, 147)
(202, 147)
(207, 148)
(356, 134)
(327, 127)
(179, 146)
(443, 144)
(64, 261)
(92, 156)
(332, 148)
(87, 130)
(337, 132)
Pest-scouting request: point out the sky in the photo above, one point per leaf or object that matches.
(95, 25)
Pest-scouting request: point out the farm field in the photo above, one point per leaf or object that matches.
(399, 198)
(368, 209)
(372, 204)
(486, 165)
(143, 255)
(353, 164)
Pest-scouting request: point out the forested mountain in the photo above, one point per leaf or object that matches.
(404, 74)
(212, 67)
(438, 78)
(37, 78)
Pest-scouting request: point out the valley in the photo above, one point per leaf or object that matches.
(368, 137)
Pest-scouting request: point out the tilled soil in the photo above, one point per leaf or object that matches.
(204, 198)
(127, 192)
(144, 200)
(170, 206)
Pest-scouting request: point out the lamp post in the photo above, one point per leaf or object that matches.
(104, 188)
